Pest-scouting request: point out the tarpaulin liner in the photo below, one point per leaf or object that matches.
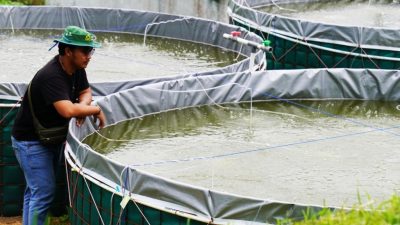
(206, 204)
(333, 45)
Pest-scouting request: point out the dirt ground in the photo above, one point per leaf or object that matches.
(11, 220)
(18, 221)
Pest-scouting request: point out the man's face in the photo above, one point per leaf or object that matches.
(81, 56)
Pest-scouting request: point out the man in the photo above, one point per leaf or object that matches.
(58, 92)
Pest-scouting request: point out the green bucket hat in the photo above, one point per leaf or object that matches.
(74, 35)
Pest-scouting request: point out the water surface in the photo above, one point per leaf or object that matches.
(122, 57)
(373, 13)
(210, 9)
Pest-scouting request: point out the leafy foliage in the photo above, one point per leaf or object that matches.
(386, 213)
(9, 2)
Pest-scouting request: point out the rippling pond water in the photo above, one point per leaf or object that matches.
(376, 13)
(210, 9)
(122, 56)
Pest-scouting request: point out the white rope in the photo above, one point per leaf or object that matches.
(11, 21)
(344, 57)
(226, 108)
(162, 22)
(111, 206)
(212, 174)
(201, 90)
(240, 85)
(129, 193)
(208, 96)
(368, 56)
(281, 8)
(238, 153)
(12, 108)
(94, 201)
(178, 91)
(145, 218)
(81, 19)
(72, 169)
(119, 217)
(120, 179)
(243, 2)
(218, 139)
(67, 175)
(268, 30)
(106, 138)
(258, 211)
(316, 55)
(80, 172)
(311, 46)
(278, 113)
(241, 47)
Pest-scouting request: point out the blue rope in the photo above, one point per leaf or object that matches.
(329, 114)
(261, 149)
(374, 129)
(125, 182)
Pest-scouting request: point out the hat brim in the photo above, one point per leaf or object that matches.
(93, 44)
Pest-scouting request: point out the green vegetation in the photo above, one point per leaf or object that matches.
(63, 220)
(22, 2)
(9, 2)
(388, 212)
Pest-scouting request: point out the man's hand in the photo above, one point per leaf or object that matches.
(67, 109)
(80, 121)
(101, 117)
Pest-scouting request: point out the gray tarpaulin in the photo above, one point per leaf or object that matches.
(225, 88)
(364, 37)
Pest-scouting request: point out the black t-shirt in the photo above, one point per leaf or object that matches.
(50, 84)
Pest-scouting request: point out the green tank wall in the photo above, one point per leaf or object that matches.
(83, 210)
(12, 182)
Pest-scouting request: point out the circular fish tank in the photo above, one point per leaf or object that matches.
(324, 34)
(248, 147)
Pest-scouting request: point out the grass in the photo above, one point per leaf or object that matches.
(21, 2)
(63, 220)
(387, 212)
(9, 2)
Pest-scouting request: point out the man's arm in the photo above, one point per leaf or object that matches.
(67, 109)
(85, 96)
